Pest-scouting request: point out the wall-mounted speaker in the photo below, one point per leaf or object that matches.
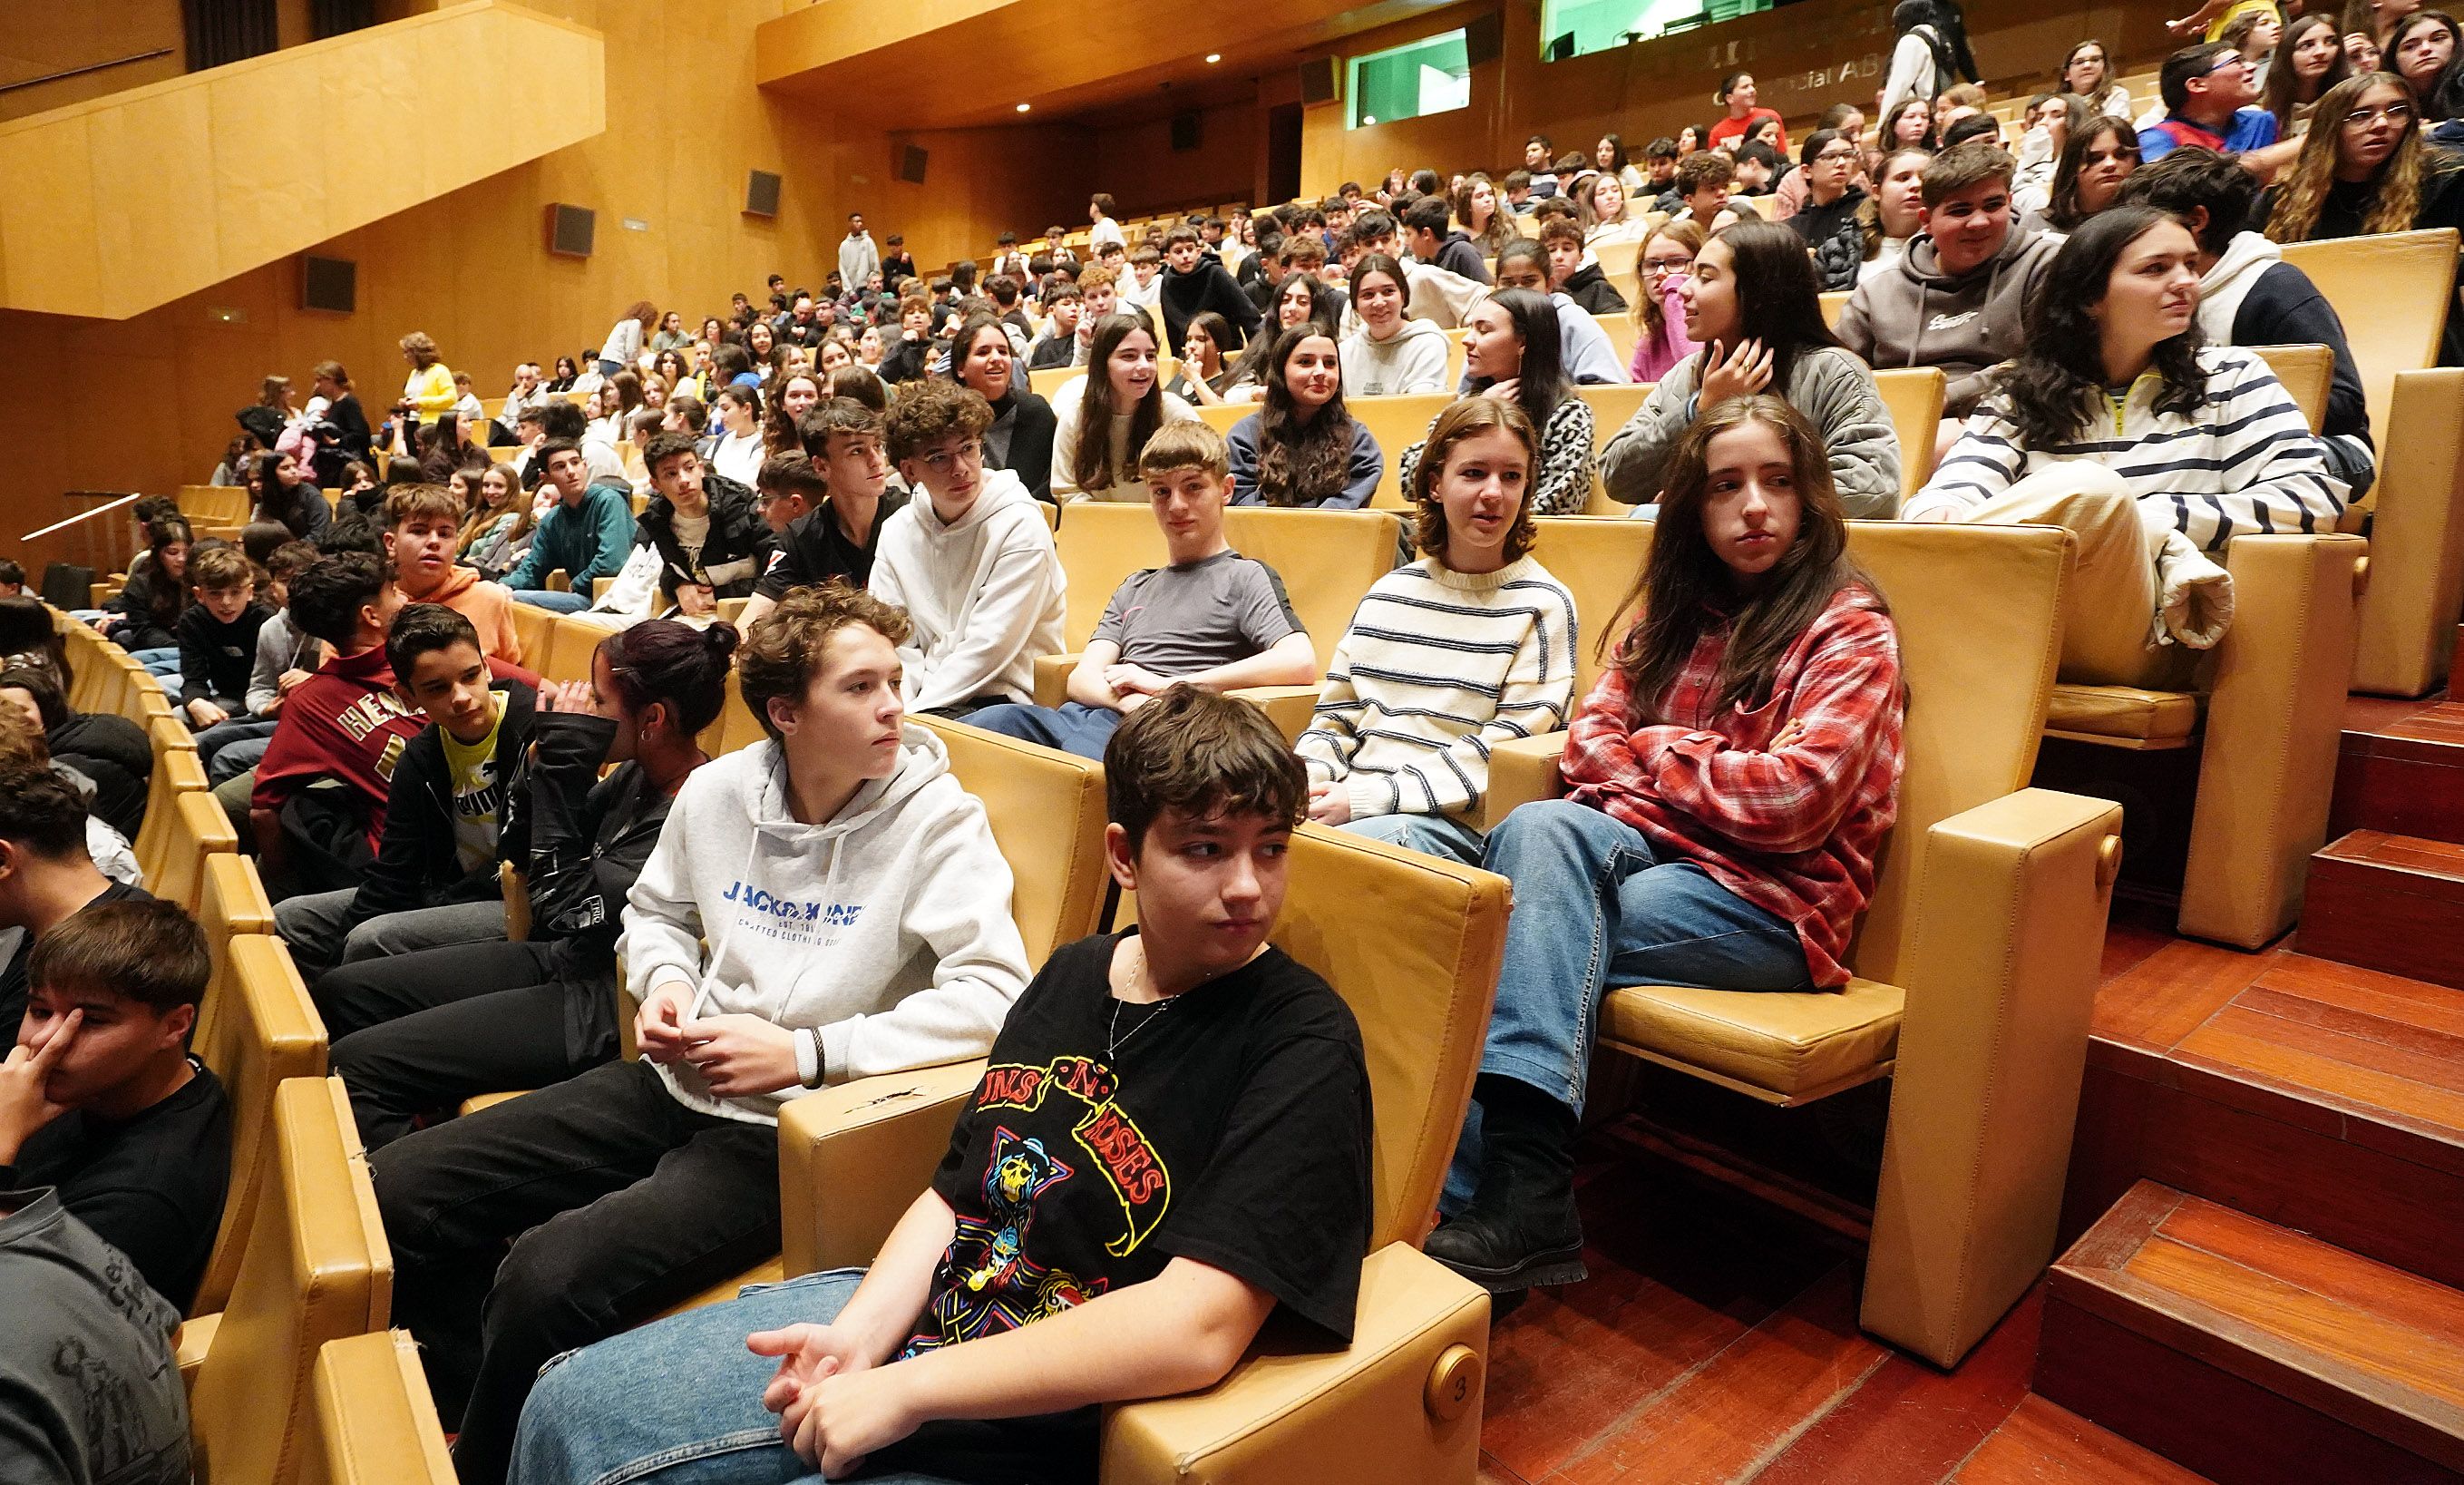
(761, 195)
(1184, 130)
(331, 284)
(1484, 39)
(1321, 80)
(911, 164)
(570, 230)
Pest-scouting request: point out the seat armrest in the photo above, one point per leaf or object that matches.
(852, 1159)
(1520, 772)
(190, 1342)
(1052, 677)
(1367, 1414)
(2000, 975)
(2406, 620)
(1289, 707)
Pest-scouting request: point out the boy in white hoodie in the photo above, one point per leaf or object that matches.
(972, 563)
(858, 917)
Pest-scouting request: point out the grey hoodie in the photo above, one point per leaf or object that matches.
(983, 594)
(1914, 316)
(1834, 391)
(887, 930)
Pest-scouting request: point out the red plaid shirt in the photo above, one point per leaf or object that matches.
(1794, 830)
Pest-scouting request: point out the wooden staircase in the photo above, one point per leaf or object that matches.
(2388, 891)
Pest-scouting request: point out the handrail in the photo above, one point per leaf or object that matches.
(80, 72)
(89, 515)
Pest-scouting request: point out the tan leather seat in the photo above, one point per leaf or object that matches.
(262, 1030)
(2393, 292)
(372, 1421)
(2125, 716)
(1976, 959)
(531, 625)
(571, 642)
(232, 903)
(198, 825)
(176, 771)
(1835, 303)
(1620, 327)
(1397, 423)
(1914, 395)
(317, 1270)
(2308, 372)
(1044, 383)
(1413, 943)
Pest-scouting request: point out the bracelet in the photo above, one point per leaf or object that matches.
(808, 1057)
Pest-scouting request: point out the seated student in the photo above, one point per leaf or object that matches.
(47, 863)
(2250, 296)
(287, 491)
(909, 359)
(1100, 299)
(12, 579)
(1959, 295)
(1303, 447)
(712, 543)
(587, 532)
(143, 619)
(111, 753)
(422, 526)
(1242, 1073)
(972, 564)
(1440, 296)
(217, 646)
(786, 491)
(1590, 359)
(284, 658)
(1511, 354)
(424, 1031)
(1105, 417)
(1575, 269)
(1664, 265)
(100, 1098)
(637, 1183)
(1471, 645)
(1751, 305)
(1024, 425)
(1194, 282)
(1209, 616)
(840, 539)
(1603, 216)
(2203, 446)
(1730, 777)
(1430, 238)
(2210, 95)
(1390, 354)
(1058, 346)
(1702, 190)
(22, 741)
(1828, 221)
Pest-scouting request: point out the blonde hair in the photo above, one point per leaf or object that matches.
(1185, 445)
(419, 348)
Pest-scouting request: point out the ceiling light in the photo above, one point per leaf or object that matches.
(1213, 58)
(1023, 107)
(1367, 119)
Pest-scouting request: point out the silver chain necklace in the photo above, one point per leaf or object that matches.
(1113, 1040)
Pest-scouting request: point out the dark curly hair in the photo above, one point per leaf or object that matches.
(1300, 463)
(2052, 387)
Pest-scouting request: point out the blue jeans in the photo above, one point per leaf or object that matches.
(677, 1402)
(239, 756)
(552, 601)
(1429, 834)
(158, 662)
(217, 740)
(1072, 726)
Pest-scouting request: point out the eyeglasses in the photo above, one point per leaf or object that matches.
(2397, 114)
(2224, 60)
(971, 453)
(1668, 265)
(1836, 156)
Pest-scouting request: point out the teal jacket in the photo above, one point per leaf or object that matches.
(589, 541)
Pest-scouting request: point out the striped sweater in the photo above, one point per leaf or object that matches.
(2244, 464)
(1437, 668)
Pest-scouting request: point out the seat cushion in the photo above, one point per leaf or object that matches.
(1783, 1048)
(2125, 711)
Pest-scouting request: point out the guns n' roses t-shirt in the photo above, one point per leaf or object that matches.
(1230, 1125)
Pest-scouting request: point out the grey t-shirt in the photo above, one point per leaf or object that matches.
(89, 1389)
(1178, 621)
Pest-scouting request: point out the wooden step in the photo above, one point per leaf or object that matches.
(2400, 768)
(2252, 1353)
(2044, 1444)
(2388, 902)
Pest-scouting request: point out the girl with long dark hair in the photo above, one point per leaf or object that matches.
(2096, 158)
(2201, 445)
(290, 495)
(2087, 75)
(2309, 63)
(1105, 418)
(1198, 377)
(1512, 352)
(2422, 50)
(1751, 305)
(795, 394)
(1301, 447)
(1730, 778)
(1024, 424)
(143, 618)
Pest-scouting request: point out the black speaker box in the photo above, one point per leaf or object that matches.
(1484, 39)
(1184, 131)
(1320, 79)
(331, 284)
(761, 195)
(911, 164)
(570, 230)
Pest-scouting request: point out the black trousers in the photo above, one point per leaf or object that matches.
(420, 1032)
(618, 1202)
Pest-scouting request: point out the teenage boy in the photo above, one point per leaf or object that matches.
(1209, 617)
(1660, 160)
(1574, 271)
(434, 879)
(423, 524)
(711, 538)
(1957, 299)
(1101, 228)
(1045, 1272)
(12, 579)
(857, 256)
(217, 645)
(1144, 288)
(839, 541)
(1427, 239)
(1057, 250)
(1098, 288)
(1756, 164)
(588, 532)
(1437, 296)
(1058, 347)
(1194, 282)
(284, 658)
(899, 264)
(1008, 260)
(2210, 95)
(973, 563)
(1702, 190)
(100, 1098)
(47, 874)
(637, 1183)
(785, 491)
(1518, 190)
(910, 359)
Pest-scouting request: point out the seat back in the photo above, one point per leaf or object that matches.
(1397, 423)
(2307, 371)
(1598, 560)
(176, 772)
(1612, 406)
(1051, 379)
(571, 642)
(532, 627)
(1327, 558)
(264, 1030)
(737, 725)
(1835, 303)
(317, 1270)
(1047, 812)
(1413, 945)
(1224, 416)
(198, 826)
(231, 901)
(1914, 396)
(2393, 292)
(1979, 672)
(373, 1419)
(1623, 332)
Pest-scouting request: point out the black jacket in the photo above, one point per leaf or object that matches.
(738, 537)
(908, 361)
(150, 624)
(302, 508)
(419, 861)
(1024, 422)
(113, 753)
(1458, 253)
(1589, 289)
(815, 550)
(1050, 351)
(1206, 287)
(1835, 238)
(216, 659)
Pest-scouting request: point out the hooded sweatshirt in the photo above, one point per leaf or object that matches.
(1413, 360)
(2251, 297)
(1835, 393)
(984, 594)
(488, 606)
(1457, 254)
(1920, 317)
(885, 932)
(1590, 288)
(1183, 296)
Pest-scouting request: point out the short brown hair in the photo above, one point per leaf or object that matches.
(1204, 754)
(1462, 418)
(1187, 444)
(151, 952)
(404, 503)
(664, 447)
(1560, 229)
(1962, 166)
(834, 415)
(1703, 167)
(1305, 250)
(790, 473)
(927, 412)
(218, 567)
(783, 650)
(291, 559)
(1094, 274)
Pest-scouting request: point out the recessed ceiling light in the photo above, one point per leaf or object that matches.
(1214, 56)
(1023, 107)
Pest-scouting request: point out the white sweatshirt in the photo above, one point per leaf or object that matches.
(886, 931)
(1069, 413)
(984, 594)
(1413, 360)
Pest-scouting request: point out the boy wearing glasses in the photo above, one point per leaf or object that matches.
(972, 563)
(2211, 94)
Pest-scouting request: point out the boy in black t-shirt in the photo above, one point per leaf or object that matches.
(1171, 1140)
(100, 1098)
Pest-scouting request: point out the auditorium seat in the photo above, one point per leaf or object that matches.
(532, 628)
(232, 902)
(1835, 303)
(1976, 961)
(1914, 396)
(1397, 423)
(2406, 626)
(317, 1270)
(2307, 372)
(176, 772)
(1413, 945)
(262, 1030)
(2393, 292)
(1051, 379)
(198, 825)
(217, 505)
(571, 641)
(372, 1420)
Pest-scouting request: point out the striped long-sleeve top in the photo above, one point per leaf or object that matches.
(1791, 829)
(1437, 668)
(2245, 463)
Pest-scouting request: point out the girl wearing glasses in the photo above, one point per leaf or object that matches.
(1828, 220)
(1660, 341)
(2363, 169)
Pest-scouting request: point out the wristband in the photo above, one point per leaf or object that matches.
(808, 1057)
